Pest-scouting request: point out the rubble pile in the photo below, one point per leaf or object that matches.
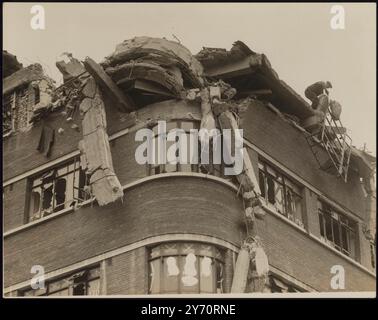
(155, 66)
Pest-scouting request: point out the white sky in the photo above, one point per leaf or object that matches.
(297, 39)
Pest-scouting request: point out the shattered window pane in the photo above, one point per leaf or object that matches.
(262, 183)
(154, 276)
(352, 244)
(321, 223)
(279, 198)
(281, 192)
(171, 275)
(173, 269)
(35, 204)
(271, 191)
(344, 238)
(186, 268)
(336, 233)
(328, 227)
(207, 275)
(337, 229)
(189, 277)
(57, 189)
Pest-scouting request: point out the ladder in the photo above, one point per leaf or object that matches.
(332, 137)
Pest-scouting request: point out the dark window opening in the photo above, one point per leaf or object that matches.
(337, 230)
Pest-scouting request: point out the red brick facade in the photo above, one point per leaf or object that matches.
(194, 205)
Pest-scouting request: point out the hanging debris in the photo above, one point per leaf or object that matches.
(95, 147)
(251, 267)
(46, 140)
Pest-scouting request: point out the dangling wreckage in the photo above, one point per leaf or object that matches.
(142, 71)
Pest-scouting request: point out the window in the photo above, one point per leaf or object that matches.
(281, 193)
(186, 268)
(83, 283)
(170, 166)
(337, 230)
(8, 103)
(190, 166)
(57, 189)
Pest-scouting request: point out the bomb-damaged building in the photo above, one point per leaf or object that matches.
(83, 214)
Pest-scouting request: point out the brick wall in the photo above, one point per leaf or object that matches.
(24, 106)
(123, 154)
(294, 253)
(171, 205)
(158, 207)
(288, 146)
(127, 273)
(20, 150)
(14, 197)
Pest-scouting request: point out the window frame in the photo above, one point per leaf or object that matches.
(343, 222)
(279, 177)
(77, 174)
(217, 261)
(161, 168)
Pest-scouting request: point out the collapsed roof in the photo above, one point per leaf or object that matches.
(147, 70)
(251, 73)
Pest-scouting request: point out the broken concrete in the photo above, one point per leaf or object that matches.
(22, 77)
(121, 100)
(70, 69)
(159, 62)
(95, 149)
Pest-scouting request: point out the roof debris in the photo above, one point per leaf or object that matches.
(160, 63)
(145, 70)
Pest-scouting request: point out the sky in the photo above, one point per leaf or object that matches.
(297, 39)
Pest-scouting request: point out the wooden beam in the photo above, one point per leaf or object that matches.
(124, 103)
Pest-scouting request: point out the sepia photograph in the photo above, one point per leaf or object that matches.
(189, 150)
